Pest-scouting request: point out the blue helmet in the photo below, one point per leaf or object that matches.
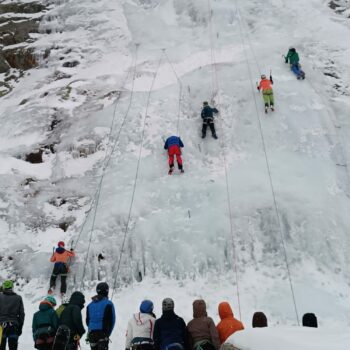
(146, 307)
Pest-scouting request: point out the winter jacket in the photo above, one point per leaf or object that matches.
(207, 112)
(71, 315)
(43, 319)
(100, 315)
(61, 256)
(173, 141)
(265, 85)
(169, 329)
(292, 57)
(141, 326)
(60, 309)
(228, 324)
(202, 327)
(11, 309)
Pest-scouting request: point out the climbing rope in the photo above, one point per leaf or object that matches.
(224, 161)
(117, 265)
(268, 167)
(108, 157)
(180, 92)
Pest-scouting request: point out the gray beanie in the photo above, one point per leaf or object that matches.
(168, 304)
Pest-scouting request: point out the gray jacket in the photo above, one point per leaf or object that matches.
(11, 308)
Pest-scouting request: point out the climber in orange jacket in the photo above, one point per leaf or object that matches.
(265, 86)
(228, 324)
(61, 258)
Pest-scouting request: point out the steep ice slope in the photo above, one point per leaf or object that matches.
(179, 237)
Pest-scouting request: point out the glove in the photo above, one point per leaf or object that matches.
(258, 87)
(286, 60)
(71, 249)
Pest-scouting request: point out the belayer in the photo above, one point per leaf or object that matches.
(265, 86)
(11, 316)
(293, 58)
(207, 115)
(100, 318)
(173, 145)
(61, 258)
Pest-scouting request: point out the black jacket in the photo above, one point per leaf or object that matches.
(207, 112)
(11, 309)
(169, 329)
(71, 315)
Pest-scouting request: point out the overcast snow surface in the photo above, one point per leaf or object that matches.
(179, 237)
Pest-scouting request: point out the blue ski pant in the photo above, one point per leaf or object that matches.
(295, 69)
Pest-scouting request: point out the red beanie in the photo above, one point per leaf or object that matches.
(60, 244)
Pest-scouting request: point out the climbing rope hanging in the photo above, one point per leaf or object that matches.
(105, 166)
(215, 85)
(180, 92)
(268, 167)
(116, 266)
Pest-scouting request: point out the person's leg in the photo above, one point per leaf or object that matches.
(266, 99)
(272, 100)
(13, 342)
(179, 161)
(3, 343)
(53, 280)
(171, 160)
(204, 128)
(212, 128)
(63, 284)
(295, 69)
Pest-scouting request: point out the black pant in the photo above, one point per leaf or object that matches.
(44, 347)
(207, 122)
(98, 340)
(9, 336)
(143, 347)
(59, 270)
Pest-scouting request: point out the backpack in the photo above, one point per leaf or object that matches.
(44, 335)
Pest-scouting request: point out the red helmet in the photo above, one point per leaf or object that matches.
(60, 244)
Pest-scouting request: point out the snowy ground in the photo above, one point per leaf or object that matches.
(179, 241)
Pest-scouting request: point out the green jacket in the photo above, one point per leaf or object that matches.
(292, 57)
(44, 318)
(71, 315)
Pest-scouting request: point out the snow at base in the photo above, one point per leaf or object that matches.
(179, 242)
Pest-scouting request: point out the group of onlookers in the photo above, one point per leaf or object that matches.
(144, 331)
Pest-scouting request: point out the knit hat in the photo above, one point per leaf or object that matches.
(259, 320)
(310, 320)
(8, 284)
(146, 307)
(61, 244)
(168, 304)
(205, 103)
(50, 299)
(102, 289)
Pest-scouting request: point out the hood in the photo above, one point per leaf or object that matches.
(199, 309)
(141, 318)
(60, 250)
(98, 298)
(78, 299)
(44, 306)
(225, 310)
(8, 292)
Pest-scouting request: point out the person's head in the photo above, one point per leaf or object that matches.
(102, 289)
(205, 103)
(259, 320)
(199, 308)
(310, 320)
(292, 49)
(146, 307)
(78, 299)
(168, 305)
(7, 285)
(60, 244)
(50, 300)
(225, 310)
(263, 76)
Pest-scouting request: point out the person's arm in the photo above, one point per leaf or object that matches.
(215, 110)
(53, 257)
(78, 321)
(87, 317)
(203, 114)
(109, 319)
(214, 335)
(34, 326)
(129, 336)
(166, 144)
(156, 335)
(21, 314)
(259, 86)
(55, 320)
(287, 57)
(70, 253)
(181, 143)
(271, 80)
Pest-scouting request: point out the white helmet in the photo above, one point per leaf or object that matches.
(263, 76)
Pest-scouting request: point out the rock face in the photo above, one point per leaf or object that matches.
(16, 28)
